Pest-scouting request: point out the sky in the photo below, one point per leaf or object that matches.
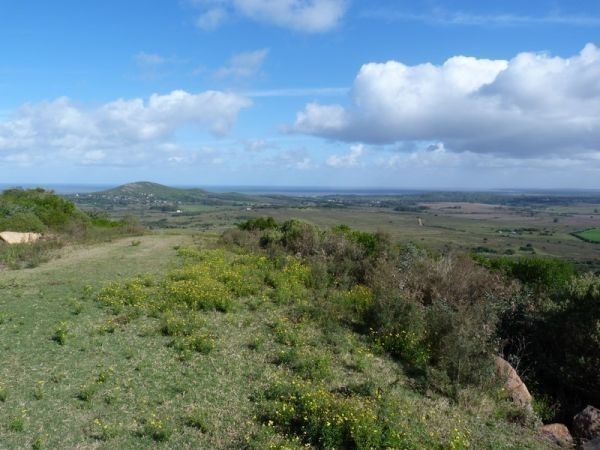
(427, 94)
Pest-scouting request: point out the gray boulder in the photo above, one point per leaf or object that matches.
(586, 424)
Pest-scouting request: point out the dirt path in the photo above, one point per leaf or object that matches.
(105, 260)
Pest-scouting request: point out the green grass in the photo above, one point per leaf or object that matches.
(592, 235)
(78, 373)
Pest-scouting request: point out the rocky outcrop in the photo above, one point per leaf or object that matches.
(12, 237)
(586, 424)
(513, 384)
(558, 434)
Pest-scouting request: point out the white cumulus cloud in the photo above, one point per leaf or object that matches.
(309, 16)
(533, 104)
(120, 130)
(348, 160)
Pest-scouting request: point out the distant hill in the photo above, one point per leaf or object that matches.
(147, 189)
(157, 195)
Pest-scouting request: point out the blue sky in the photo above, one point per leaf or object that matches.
(421, 94)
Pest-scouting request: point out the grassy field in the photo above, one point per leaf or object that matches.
(480, 228)
(592, 235)
(77, 374)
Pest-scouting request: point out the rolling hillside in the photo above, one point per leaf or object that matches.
(154, 194)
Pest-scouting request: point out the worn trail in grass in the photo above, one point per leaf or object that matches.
(41, 378)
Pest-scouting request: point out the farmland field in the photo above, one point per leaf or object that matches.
(449, 222)
(592, 235)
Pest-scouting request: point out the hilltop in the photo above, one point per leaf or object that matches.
(215, 346)
(148, 190)
(145, 193)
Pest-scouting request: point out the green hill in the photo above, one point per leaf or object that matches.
(224, 349)
(147, 190)
(154, 194)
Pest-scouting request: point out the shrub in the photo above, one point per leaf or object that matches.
(38, 443)
(260, 223)
(307, 364)
(321, 418)
(50, 209)
(23, 222)
(439, 315)
(103, 430)
(157, 428)
(86, 392)
(289, 283)
(565, 344)
(198, 342)
(134, 293)
(38, 391)
(300, 237)
(76, 307)
(403, 344)
(542, 274)
(3, 393)
(286, 332)
(61, 330)
(203, 293)
(196, 419)
(353, 305)
(16, 423)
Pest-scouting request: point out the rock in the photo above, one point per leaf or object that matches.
(594, 444)
(558, 434)
(586, 424)
(513, 384)
(12, 237)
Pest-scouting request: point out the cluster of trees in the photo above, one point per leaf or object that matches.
(36, 210)
(446, 316)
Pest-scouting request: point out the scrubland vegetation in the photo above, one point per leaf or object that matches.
(280, 334)
(60, 222)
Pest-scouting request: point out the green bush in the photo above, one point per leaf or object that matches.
(203, 293)
(61, 330)
(199, 342)
(542, 274)
(3, 393)
(158, 428)
(260, 223)
(131, 294)
(22, 222)
(321, 418)
(300, 237)
(50, 209)
(565, 340)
